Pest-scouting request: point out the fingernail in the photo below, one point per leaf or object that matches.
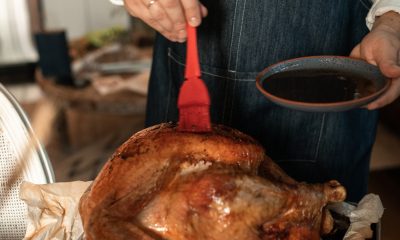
(173, 39)
(194, 21)
(372, 106)
(182, 34)
(182, 38)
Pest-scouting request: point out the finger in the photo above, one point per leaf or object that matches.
(390, 66)
(154, 24)
(386, 57)
(149, 20)
(140, 10)
(203, 10)
(158, 14)
(174, 10)
(182, 34)
(192, 12)
(367, 54)
(388, 97)
(132, 7)
(356, 52)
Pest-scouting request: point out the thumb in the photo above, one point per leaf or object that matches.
(356, 52)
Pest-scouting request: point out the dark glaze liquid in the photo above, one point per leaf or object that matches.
(318, 87)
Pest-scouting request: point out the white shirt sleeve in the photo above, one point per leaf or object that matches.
(381, 7)
(117, 2)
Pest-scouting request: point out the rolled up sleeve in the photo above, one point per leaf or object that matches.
(381, 7)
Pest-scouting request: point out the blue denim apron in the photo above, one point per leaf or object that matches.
(240, 38)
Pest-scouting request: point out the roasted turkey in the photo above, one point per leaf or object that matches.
(166, 184)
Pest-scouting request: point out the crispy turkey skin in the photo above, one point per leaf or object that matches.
(166, 184)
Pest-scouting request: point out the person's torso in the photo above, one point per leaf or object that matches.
(245, 36)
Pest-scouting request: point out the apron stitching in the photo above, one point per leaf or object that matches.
(233, 34)
(237, 61)
(240, 35)
(169, 89)
(213, 74)
(235, 79)
(364, 4)
(229, 64)
(320, 136)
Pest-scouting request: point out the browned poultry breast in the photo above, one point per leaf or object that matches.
(166, 184)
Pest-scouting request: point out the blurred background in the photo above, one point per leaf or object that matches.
(92, 61)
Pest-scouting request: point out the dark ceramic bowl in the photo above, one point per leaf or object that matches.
(322, 83)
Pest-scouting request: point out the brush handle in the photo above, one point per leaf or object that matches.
(192, 56)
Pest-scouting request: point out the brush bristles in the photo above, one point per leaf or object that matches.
(194, 119)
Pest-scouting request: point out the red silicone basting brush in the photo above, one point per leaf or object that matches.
(193, 99)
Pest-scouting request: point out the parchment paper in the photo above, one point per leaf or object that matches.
(53, 210)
